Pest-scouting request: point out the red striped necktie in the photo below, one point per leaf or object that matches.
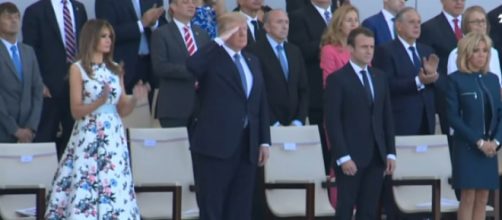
(189, 41)
(70, 41)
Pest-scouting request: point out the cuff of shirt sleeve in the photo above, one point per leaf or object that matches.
(156, 25)
(297, 123)
(343, 159)
(140, 26)
(219, 41)
(391, 156)
(419, 84)
(264, 145)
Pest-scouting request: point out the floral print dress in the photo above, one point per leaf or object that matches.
(93, 180)
(205, 18)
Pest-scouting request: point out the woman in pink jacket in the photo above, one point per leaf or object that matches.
(334, 50)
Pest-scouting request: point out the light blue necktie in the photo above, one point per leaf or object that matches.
(327, 16)
(282, 59)
(238, 64)
(17, 62)
(143, 44)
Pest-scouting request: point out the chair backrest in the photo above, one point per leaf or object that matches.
(296, 155)
(140, 117)
(418, 157)
(27, 163)
(162, 155)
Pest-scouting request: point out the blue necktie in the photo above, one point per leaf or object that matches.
(256, 28)
(282, 59)
(367, 86)
(416, 60)
(327, 16)
(143, 43)
(17, 62)
(238, 64)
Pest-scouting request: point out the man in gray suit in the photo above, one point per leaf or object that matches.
(20, 82)
(172, 44)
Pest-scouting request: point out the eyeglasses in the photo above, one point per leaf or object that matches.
(478, 22)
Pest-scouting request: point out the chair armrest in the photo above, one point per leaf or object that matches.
(310, 193)
(435, 183)
(174, 188)
(38, 190)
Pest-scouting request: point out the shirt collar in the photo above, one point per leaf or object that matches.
(322, 10)
(230, 51)
(405, 44)
(8, 44)
(450, 18)
(387, 15)
(180, 24)
(357, 68)
(273, 42)
(249, 18)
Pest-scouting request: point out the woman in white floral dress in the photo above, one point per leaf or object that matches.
(94, 179)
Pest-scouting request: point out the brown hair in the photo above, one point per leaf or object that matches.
(88, 43)
(8, 7)
(467, 14)
(466, 48)
(333, 35)
(351, 40)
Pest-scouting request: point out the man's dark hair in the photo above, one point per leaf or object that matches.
(356, 32)
(8, 7)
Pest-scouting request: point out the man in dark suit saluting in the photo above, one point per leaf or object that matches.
(359, 127)
(52, 27)
(231, 135)
(283, 71)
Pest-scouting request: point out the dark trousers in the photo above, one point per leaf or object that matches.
(225, 186)
(144, 73)
(361, 191)
(55, 112)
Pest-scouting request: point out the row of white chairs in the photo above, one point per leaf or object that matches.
(295, 183)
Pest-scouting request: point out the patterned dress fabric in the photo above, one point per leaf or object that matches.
(205, 18)
(93, 180)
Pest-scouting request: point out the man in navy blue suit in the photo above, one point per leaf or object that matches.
(43, 29)
(382, 23)
(412, 72)
(133, 22)
(359, 126)
(231, 134)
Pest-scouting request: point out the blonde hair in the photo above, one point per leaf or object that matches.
(227, 20)
(333, 35)
(466, 18)
(88, 43)
(466, 48)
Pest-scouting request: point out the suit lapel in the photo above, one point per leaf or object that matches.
(402, 53)
(354, 78)
(444, 24)
(8, 60)
(178, 37)
(273, 60)
(229, 68)
(130, 7)
(24, 62)
(383, 26)
(197, 37)
(253, 69)
(51, 18)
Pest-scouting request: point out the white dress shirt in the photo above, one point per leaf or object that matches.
(180, 28)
